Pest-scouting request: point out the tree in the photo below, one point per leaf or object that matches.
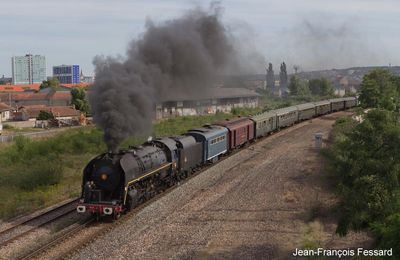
(270, 77)
(79, 100)
(380, 88)
(283, 78)
(45, 115)
(366, 162)
(294, 85)
(320, 87)
(52, 83)
(369, 96)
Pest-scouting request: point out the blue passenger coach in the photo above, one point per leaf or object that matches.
(214, 139)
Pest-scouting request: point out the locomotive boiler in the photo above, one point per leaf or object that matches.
(115, 182)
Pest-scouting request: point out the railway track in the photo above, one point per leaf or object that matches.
(74, 229)
(102, 228)
(25, 226)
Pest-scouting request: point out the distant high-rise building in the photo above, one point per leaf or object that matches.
(28, 69)
(67, 74)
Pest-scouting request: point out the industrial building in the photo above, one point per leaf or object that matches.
(28, 69)
(67, 74)
(53, 98)
(213, 100)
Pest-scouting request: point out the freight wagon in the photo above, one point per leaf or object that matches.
(240, 131)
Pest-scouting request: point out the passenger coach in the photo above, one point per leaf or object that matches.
(265, 123)
(286, 116)
(306, 111)
(214, 139)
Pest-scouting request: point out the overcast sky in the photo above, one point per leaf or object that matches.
(313, 34)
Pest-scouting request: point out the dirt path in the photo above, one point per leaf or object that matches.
(260, 203)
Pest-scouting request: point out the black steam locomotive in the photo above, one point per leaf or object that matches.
(116, 182)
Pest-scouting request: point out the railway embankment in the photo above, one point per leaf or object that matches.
(262, 202)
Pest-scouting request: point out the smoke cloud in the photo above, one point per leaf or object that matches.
(324, 43)
(183, 54)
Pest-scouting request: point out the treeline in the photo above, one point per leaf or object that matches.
(79, 99)
(365, 161)
(315, 87)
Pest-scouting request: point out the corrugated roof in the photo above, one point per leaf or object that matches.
(336, 99)
(285, 110)
(306, 106)
(349, 98)
(264, 115)
(323, 102)
(209, 93)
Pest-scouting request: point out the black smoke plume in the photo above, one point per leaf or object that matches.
(184, 54)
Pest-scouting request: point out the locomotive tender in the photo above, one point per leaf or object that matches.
(117, 182)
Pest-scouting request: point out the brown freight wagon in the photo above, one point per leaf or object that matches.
(240, 131)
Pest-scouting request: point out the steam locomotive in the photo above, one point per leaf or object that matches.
(117, 182)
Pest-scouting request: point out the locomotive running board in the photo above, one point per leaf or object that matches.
(142, 177)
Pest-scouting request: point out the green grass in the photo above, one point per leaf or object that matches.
(38, 173)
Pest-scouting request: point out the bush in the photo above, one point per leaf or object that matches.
(36, 173)
(5, 126)
(44, 115)
(387, 233)
(40, 174)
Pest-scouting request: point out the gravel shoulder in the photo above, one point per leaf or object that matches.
(260, 203)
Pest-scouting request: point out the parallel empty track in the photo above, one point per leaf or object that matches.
(24, 226)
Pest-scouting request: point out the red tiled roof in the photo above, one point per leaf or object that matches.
(57, 111)
(61, 95)
(32, 106)
(58, 95)
(19, 88)
(36, 87)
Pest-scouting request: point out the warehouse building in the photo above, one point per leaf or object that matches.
(53, 98)
(213, 101)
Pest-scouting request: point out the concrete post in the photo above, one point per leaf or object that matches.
(318, 140)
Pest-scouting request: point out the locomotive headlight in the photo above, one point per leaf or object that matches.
(107, 211)
(104, 177)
